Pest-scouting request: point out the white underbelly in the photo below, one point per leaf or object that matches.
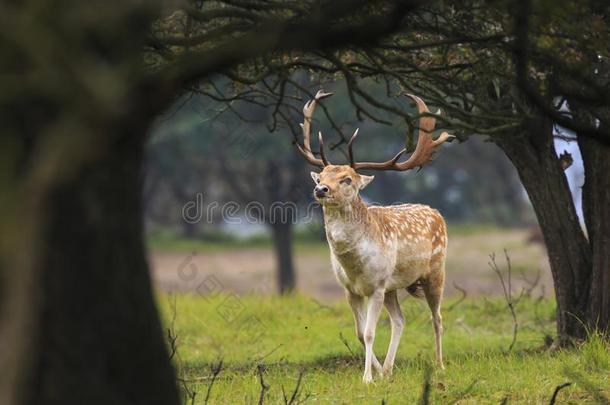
(398, 281)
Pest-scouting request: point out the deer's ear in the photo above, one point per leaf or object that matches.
(315, 176)
(365, 180)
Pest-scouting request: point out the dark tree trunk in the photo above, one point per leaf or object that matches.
(280, 217)
(535, 159)
(282, 241)
(77, 313)
(99, 337)
(596, 210)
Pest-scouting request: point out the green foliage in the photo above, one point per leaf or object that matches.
(594, 354)
(297, 334)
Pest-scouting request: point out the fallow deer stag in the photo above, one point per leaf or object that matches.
(377, 250)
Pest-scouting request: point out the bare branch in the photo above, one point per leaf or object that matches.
(215, 369)
(462, 298)
(507, 291)
(556, 392)
(346, 344)
(171, 332)
(260, 369)
(295, 397)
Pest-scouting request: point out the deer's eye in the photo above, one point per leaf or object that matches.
(346, 180)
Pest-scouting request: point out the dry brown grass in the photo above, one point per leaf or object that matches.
(253, 269)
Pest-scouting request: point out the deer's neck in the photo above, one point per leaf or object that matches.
(346, 225)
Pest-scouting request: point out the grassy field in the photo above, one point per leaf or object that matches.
(282, 338)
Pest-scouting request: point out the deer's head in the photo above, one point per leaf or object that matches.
(340, 184)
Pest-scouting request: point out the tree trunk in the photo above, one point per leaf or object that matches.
(533, 155)
(282, 242)
(596, 210)
(99, 337)
(280, 216)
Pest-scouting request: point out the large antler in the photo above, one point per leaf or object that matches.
(424, 150)
(305, 150)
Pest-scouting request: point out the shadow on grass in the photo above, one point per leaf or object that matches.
(338, 362)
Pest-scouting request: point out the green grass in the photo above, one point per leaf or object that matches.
(290, 335)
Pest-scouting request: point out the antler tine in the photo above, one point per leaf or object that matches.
(305, 150)
(321, 142)
(424, 150)
(320, 94)
(349, 148)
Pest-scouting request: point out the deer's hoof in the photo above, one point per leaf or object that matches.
(387, 372)
(367, 378)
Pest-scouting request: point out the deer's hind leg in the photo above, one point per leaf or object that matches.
(433, 287)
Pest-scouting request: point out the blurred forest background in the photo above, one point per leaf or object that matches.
(217, 172)
(201, 100)
(198, 147)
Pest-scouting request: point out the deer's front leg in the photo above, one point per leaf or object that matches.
(397, 320)
(356, 302)
(372, 316)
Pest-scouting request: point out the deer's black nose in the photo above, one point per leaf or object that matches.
(320, 190)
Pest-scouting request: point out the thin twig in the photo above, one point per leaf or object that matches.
(264, 386)
(464, 393)
(462, 298)
(189, 394)
(507, 291)
(344, 341)
(215, 371)
(269, 353)
(582, 381)
(531, 284)
(295, 397)
(557, 389)
(510, 274)
(172, 337)
(323, 306)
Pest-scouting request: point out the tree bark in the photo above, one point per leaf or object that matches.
(533, 155)
(280, 216)
(282, 241)
(596, 211)
(100, 340)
